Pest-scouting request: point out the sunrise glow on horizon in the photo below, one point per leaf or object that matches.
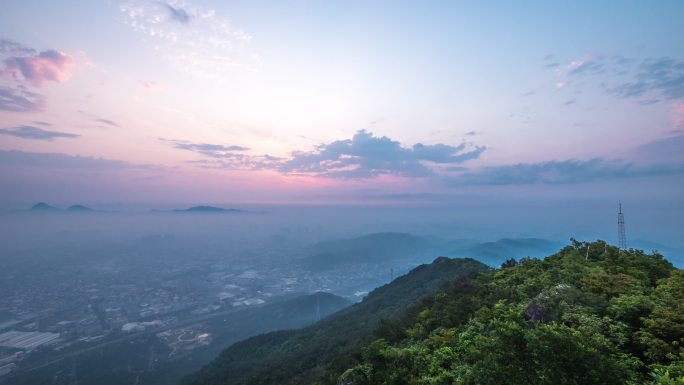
(331, 102)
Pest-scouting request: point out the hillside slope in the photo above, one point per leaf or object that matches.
(301, 356)
(590, 314)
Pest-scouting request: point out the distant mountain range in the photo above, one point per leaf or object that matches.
(202, 209)
(394, 247)
(495, 253)
(206, 209)
(373, 248)
(44, 207)
(79, 208)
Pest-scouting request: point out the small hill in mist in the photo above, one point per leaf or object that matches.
(373, 248)
(79, 208)
(496, 252)
(44, 207)
(201, 209)
(394, 247)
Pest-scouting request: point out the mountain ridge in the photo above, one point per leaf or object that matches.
(615, 314)
(312, 349)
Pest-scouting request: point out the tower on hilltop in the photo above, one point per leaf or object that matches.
(622, 240)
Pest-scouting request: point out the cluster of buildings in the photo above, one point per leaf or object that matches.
(112, 298)
(14, 345)
(26, 340)
(185, 339)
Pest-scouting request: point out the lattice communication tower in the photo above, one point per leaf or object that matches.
(622, 240)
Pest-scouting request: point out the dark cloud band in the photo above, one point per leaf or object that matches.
(362, 156)
(31, 132)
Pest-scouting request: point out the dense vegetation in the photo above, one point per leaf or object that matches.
(590, 314)
(301, 356)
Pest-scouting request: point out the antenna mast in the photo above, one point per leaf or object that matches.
(622, 241)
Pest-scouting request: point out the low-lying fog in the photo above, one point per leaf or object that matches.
(131, 279)
(256, 226)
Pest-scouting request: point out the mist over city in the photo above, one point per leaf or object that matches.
(346, 193)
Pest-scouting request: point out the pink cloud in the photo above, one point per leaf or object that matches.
(678, 114)
(47, 66)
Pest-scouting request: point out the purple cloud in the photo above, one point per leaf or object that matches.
(18, 99)
(647, 81)
(13, 48)
(363, 156)
(211, 150)
(366, 156)
(662, 157)
(177, 14)
(14, 158)
(225, 157)
(108, 122)
(563, 172)
(47, 66)
(663, 77)
(30, 132)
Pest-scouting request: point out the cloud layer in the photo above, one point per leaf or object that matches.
(211, 150)
(31, 132)
(14, 48)
(37, 69)
(22, 67)
(195, 40)
(661, 78)
(14, 158)
(362, 156)
(366, 156)
(662, 157)
(226, 157)
(19, 99)
(647, 81)
(563, 172)
(178, 14)
(107, 122)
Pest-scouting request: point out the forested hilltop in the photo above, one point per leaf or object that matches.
(590, 314)
(302, 356)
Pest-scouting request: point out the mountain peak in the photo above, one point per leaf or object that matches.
(42, 206)
(309, 351)
(440, 260)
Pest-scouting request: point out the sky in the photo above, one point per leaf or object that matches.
(566, 103)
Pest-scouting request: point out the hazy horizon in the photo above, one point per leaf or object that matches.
(484, 221)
